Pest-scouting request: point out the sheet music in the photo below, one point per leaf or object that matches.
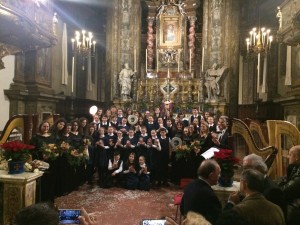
(210, 153)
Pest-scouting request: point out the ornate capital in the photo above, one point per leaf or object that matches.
(7, 50)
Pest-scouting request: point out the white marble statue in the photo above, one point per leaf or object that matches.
(125, 80)
(279, 16)
(212, 77)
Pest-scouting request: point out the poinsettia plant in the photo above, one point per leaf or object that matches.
(16, 151)
(226, 161)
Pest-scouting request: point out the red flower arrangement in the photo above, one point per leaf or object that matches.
(16, 151)
(227, 164)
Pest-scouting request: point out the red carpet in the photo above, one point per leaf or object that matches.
(120, 206)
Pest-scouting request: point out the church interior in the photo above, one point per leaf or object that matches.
(240, 59)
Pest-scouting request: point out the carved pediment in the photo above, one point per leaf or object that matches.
(25, 26)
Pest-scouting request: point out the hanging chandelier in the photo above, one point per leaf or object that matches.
(83, 46)
(259, 41)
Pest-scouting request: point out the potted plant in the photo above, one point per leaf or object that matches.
(16, 153)
(227, 163)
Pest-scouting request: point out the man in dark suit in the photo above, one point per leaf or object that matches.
(271, 190)
(255, 208)
(221, 140)
(199, 196)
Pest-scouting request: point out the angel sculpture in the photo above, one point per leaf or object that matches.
(212, 78)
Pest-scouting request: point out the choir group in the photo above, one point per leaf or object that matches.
(135, 154)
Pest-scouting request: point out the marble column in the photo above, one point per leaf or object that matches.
(221, 44)
(123, 42)
(191, 44)
(150, 52)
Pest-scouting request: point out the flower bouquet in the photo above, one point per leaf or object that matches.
(75, 157)
(196, 146)
(227, 164)
(182, 151)
(50, 151)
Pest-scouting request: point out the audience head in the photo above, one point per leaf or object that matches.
(256, 162)
(209, 170)
(251, 181)
(37, 214)
(294, 155)
(193, 218)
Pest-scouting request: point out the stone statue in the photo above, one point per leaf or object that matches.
(212, 77)
(125, 80)
(279, 16)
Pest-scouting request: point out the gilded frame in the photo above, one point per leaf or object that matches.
(170, 31)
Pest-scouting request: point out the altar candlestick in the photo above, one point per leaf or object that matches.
(146, 60)
(156, 61)
(178, 60)
(190, 61)
(134, 59)
(73, 69)
(258, 72)
(202, 65)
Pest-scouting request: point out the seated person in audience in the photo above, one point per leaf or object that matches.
(37, 214)
(143, 175)
(130, 172)
(199, 197)
(271, 190)
(47, 214)
(192, 218)
(115, 167)
(231, 217)
(290, 186)
(221, 141)
(255, 208)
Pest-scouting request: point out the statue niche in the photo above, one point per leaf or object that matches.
(214, 77)
(170, 37)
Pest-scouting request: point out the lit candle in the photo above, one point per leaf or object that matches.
(73, 43)
(258, 72)
(146, 61)
(94, 46)
(202, 65)
(248, 44)
(73, 69)
(270, 41)
(83, 38)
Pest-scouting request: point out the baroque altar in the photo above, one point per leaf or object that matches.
(172, 64)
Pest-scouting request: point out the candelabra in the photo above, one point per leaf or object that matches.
(259, 41)
(83, 46)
